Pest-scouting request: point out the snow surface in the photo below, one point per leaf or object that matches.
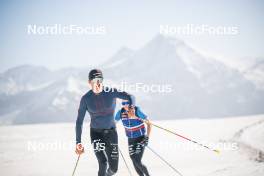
(19, 155)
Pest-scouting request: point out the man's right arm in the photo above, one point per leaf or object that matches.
(79, 120)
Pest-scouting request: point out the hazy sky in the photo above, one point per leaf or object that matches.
(128, 23)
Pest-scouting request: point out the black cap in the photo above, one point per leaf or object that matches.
(95, 73)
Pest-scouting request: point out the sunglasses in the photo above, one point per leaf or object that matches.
(125, 103)
(96, 80)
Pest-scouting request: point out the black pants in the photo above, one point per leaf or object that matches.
(136, 150)
(105, 144)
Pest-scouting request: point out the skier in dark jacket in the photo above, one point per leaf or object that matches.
(100, 102)
(133, 120)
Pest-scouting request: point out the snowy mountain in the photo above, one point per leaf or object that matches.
(201, 87)
(32, 94)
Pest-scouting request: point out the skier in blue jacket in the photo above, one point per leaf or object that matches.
(133, 121)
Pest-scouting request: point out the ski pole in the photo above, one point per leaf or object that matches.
(181, 136)
(164, 160)
(125, 161)
(76, 165)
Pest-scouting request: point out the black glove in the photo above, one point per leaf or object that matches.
(145, 140)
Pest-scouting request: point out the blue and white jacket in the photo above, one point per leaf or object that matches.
(134, 127)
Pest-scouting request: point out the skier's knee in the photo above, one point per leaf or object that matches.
(102, 163)
(103, 160)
